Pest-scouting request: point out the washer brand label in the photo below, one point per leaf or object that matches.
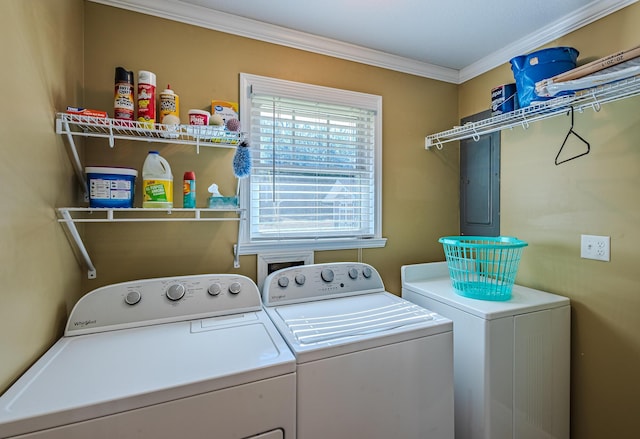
(84, 323)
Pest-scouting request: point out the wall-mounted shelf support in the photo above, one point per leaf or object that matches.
(590, 98)
(69, 216)
(73, 231)
(72, 125)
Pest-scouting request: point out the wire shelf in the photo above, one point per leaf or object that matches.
(69, 216)
(135, 214)
(199, 135)
(590, 98)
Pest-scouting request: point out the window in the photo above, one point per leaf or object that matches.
(316, 167)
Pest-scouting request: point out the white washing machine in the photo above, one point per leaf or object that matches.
(369, 364)
(511, 358)
(180, 357)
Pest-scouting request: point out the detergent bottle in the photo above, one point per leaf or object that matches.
(157, 182)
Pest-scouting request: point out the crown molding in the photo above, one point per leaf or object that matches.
(567, 24)
(244, 27)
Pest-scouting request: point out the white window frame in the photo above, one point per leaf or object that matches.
(321, 94)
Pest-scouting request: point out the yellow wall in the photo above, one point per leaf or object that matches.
(551, 206)
(52, 62)
(41, 71)
(419, 193)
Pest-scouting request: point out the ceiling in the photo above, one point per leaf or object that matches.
(448, 40)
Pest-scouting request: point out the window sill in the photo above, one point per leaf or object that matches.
(311, 245)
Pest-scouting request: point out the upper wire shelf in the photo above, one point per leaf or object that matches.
(198, 135)
(581, 100)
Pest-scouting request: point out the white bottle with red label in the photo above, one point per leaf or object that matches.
(146, 98)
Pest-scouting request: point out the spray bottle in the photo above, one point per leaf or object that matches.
(123, 105)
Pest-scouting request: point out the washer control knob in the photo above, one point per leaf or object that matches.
(132, 297)
(235, 288)
(366, 272)
(300, 279)
(214, 289)
(283, 282)
(327, 275)
(175, 292)
(353, 273)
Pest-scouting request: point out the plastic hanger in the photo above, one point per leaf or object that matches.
(572, 132)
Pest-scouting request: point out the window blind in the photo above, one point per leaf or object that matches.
(313, 171)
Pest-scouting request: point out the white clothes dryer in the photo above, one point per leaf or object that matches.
(511, 358)
(369, 364)
(180, 357)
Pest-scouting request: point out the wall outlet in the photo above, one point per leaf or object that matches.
(595, 247)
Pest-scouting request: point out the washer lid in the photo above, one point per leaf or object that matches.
(336, 326)
(94, 375)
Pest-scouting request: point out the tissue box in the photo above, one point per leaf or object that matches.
(223, 202)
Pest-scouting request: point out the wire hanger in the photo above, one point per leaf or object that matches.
(571, 131)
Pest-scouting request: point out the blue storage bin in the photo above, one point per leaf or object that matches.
(110, 187)
(539, 65)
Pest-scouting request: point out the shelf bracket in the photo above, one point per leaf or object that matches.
(596, 104)
(475, 136)
(73, 231)
(77, 166)
(112, 141)
(428, 143)
(236, 256)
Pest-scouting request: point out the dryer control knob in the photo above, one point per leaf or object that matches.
(214, 289)
(300, 279)
(283, 282)
(366, 272)
(132, 297)
(175, 292)
(235, 288)
(327, 275)
(353, 273)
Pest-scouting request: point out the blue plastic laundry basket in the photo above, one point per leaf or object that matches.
(483, 267)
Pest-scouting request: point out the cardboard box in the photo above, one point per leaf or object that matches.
(226, 110)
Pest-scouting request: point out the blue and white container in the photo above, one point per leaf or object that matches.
(503, 99)
(111, 187)
(539, 65)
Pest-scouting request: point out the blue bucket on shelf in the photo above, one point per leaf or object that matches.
(539, 65)
(110, 187)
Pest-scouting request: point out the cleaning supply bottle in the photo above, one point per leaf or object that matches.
(169, 104)
(146, 98)
(157, 182)
(123, 102)
(189, 190)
